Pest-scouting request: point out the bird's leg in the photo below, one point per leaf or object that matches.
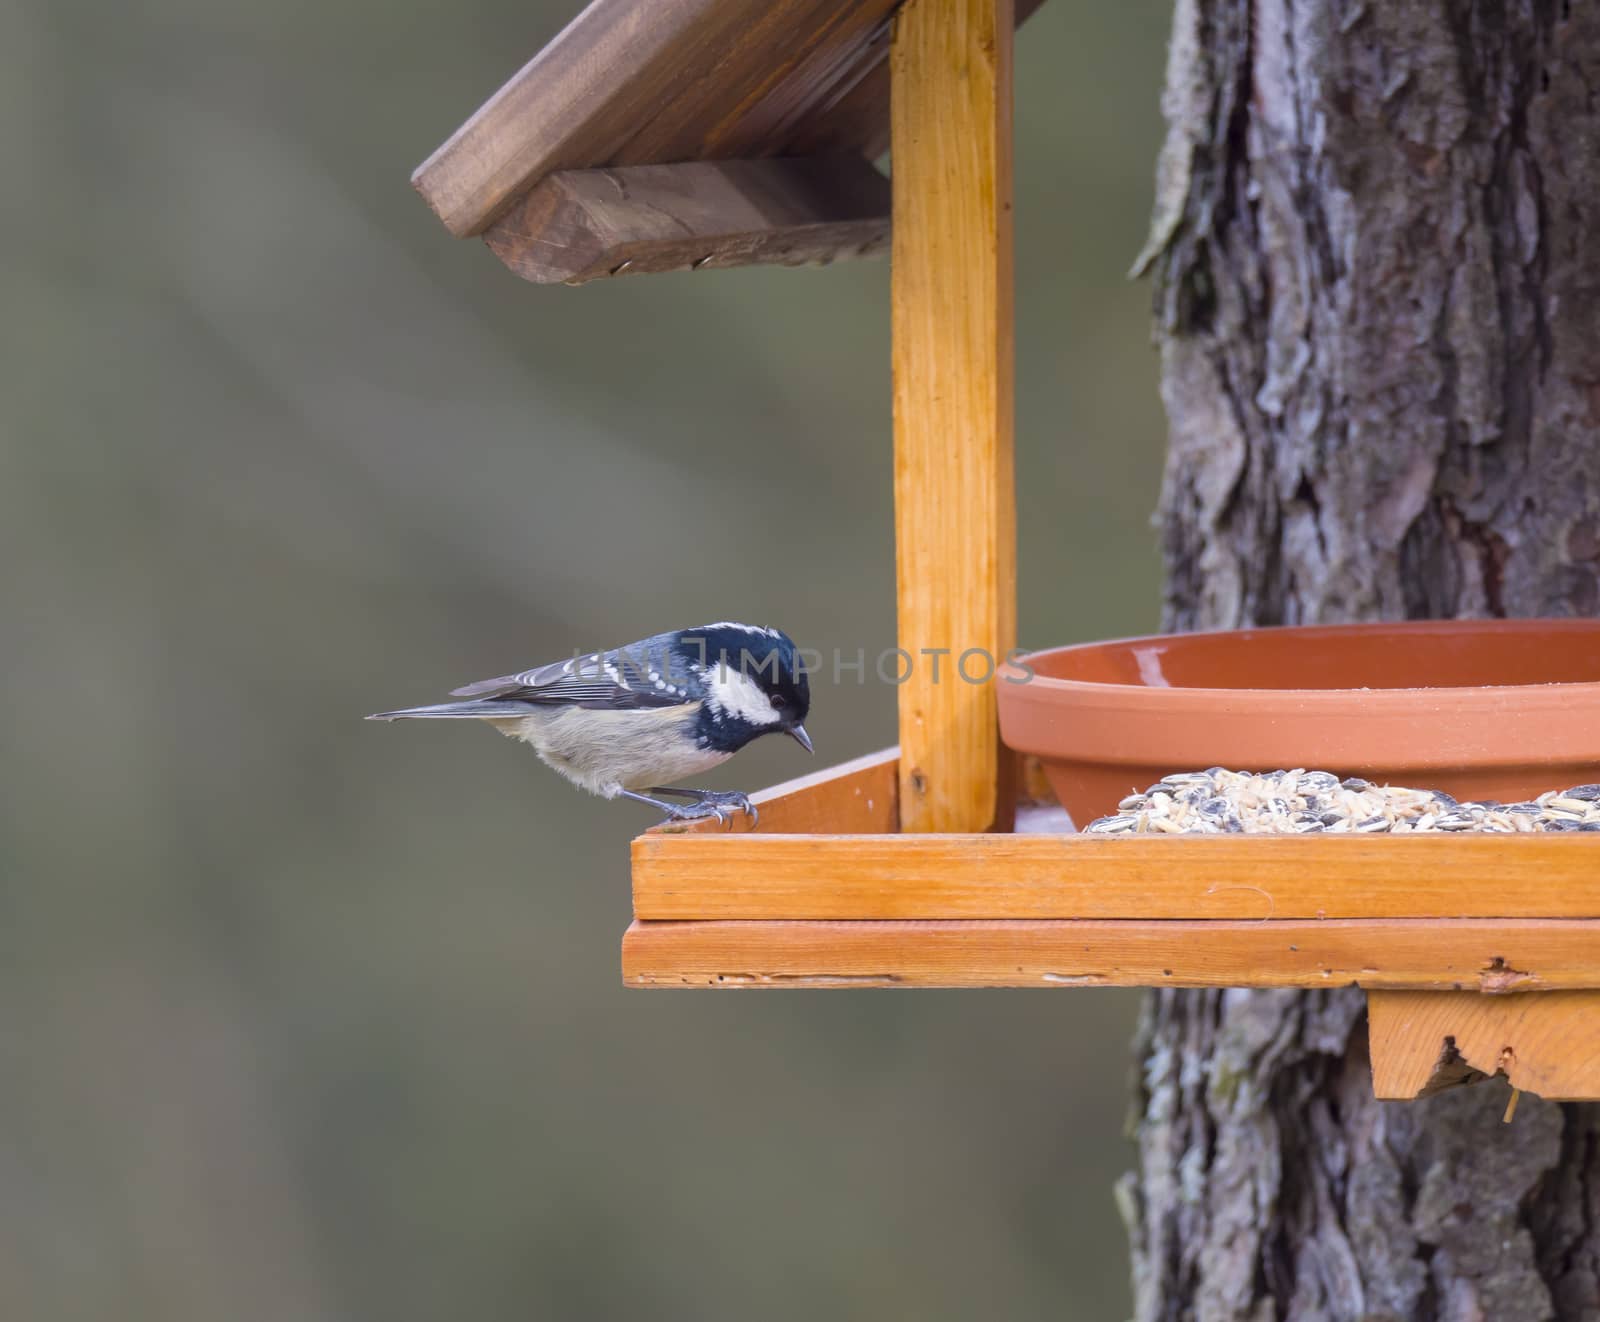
(688, 812)
(718, 798)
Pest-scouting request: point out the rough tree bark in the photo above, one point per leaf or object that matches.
(1376, 250)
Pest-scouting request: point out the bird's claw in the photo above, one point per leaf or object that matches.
(732, 799)
(695, 812)
(716, 804)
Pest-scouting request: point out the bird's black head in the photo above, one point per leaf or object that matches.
(751, 680)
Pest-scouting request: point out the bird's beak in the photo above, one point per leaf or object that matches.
(799, 735)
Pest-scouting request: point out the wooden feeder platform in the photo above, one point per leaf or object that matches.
(656, 135)
(827, 892)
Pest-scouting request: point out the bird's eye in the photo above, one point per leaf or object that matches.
(778, 700)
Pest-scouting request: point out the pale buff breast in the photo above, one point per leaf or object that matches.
(607, 751)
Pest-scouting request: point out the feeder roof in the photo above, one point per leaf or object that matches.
(636, 83)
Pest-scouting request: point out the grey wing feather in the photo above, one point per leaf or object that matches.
(600, 679)
(538, 677)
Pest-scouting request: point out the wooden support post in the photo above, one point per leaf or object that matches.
(1546, 1043)
(955, 508)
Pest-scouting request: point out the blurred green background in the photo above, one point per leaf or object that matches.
(306, 1018)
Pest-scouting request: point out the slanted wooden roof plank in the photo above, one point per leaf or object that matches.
(555, 112)
(656, 82)
(747, 96)
(627, 83)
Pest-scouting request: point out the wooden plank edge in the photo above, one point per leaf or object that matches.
(768, 876)
(575, 226)
(1424, 1041)
(1493, 957)
(859, 795)
(568, 89)
(557, 110)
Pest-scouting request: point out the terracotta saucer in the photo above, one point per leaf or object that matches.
(1482, 709)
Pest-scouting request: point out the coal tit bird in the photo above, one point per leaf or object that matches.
(628, 722)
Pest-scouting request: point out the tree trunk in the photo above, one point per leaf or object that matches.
(1377, 256)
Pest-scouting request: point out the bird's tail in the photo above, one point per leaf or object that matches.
(455, 711)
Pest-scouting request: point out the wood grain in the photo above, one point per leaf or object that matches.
(582, 225)
(1495, 956)
(955, 539)
(856, 796)
(857, 119)
(557, 112)
(1548, 1044)
(762, 876)
(630, 83)
(747, 94)
(646, 82)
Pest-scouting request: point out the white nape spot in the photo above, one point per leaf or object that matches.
(732, 693)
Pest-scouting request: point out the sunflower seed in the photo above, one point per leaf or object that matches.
(1302, 801)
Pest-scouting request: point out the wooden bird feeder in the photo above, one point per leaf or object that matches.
(656, 135)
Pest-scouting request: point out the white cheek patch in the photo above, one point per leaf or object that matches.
(731, 693)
